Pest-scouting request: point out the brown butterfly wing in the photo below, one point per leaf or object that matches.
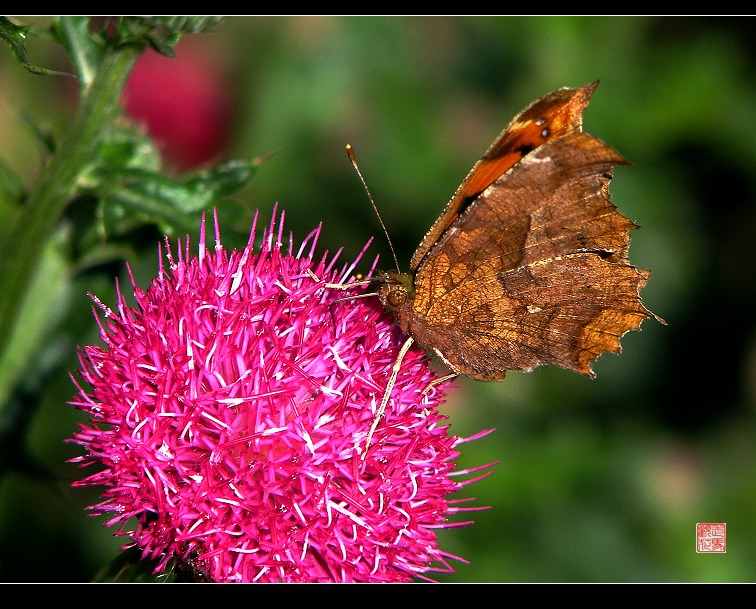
(546, 119)
(534, 270)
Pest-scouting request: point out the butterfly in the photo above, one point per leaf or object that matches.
(528, 263)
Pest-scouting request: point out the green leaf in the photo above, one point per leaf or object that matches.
(129, 567)
(131, 191)
(188, 24)
(162, 45)
(42, 133)
(224, 179)
(161, 32)
(127, 181)
(15, 36)
(124, 146)
(99, 253)
(11, 185)
(171, 203)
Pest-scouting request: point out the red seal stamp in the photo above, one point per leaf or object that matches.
(711, 537)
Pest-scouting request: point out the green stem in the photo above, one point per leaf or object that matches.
(57, 184)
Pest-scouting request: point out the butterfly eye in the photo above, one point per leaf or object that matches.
(397, 296)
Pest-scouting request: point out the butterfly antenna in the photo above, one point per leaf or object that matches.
(353, 160)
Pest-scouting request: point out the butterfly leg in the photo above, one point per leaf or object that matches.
(387, 392)
(340, 286)
(334, 286)
(443, 379)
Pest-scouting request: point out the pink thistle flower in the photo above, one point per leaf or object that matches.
(229, 413)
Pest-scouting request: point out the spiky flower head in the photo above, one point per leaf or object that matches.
(229, 414)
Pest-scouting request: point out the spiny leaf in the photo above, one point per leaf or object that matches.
(172, 203)
(15, 36)
(161, 32)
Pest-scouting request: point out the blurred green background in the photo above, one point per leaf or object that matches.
(598, 480)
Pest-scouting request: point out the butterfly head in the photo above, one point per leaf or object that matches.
(396, 289)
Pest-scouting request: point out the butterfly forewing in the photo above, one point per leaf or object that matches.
(546, 119)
